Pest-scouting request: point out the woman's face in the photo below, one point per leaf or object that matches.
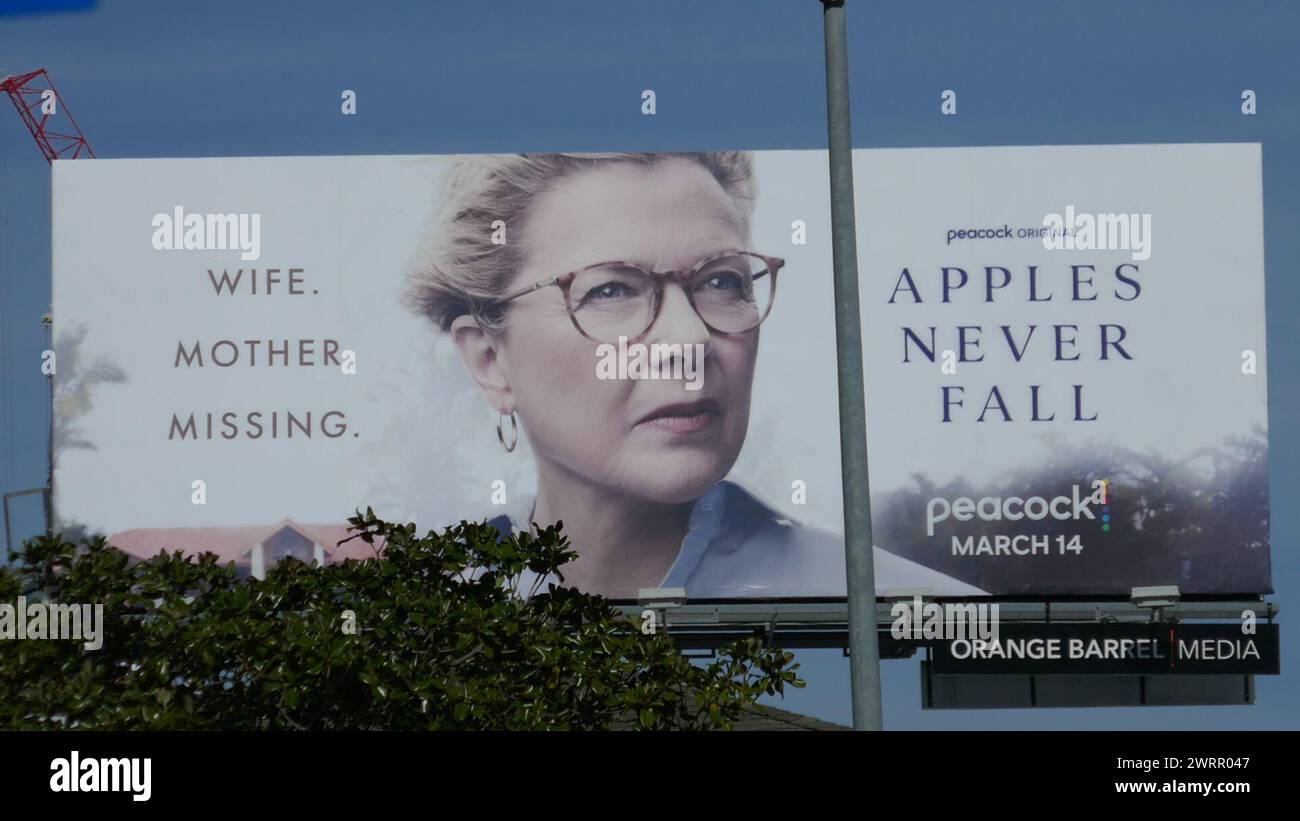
(650, 438)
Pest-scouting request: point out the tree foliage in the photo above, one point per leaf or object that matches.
(443, 640)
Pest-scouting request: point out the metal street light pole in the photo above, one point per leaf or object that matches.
(864, 650)
(48, 321)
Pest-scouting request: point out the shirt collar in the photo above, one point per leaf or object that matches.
(708, 520)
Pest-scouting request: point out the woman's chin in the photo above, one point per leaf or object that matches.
(678, 480)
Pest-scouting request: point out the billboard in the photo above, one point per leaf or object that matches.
(251, 348)
(1065, 364)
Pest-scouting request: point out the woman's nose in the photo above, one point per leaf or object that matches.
(677, 321)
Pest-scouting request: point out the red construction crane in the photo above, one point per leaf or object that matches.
(46, 116)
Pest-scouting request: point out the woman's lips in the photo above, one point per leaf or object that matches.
(683, 424)
(683, 418)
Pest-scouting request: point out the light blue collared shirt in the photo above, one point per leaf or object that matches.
(740, 548)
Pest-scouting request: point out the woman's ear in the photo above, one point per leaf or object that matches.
(480, 353)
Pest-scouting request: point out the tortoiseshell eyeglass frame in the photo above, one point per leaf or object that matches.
(772, 265)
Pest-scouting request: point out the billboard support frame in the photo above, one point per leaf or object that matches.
(45, 498)
(47, 321)
(805, 625)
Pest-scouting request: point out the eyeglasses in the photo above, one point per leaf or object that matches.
(731, 292)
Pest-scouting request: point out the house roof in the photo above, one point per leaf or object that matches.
(763, 717)
(234, 543)
(760, 717)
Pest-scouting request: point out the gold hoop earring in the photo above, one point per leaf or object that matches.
(514, 432)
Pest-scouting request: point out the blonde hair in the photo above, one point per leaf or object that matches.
(458, 270)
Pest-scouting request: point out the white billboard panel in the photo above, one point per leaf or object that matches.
(251, 348)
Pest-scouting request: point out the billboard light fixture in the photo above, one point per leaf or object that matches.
(1157, 598)
(1166, 595)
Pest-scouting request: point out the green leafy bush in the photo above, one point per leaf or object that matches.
(441, 641)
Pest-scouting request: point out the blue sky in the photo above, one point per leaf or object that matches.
(152, 78)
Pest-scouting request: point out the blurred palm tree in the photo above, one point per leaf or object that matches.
(76, 379)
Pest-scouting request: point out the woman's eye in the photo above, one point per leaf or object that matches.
(721, 281)
(610, 290)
